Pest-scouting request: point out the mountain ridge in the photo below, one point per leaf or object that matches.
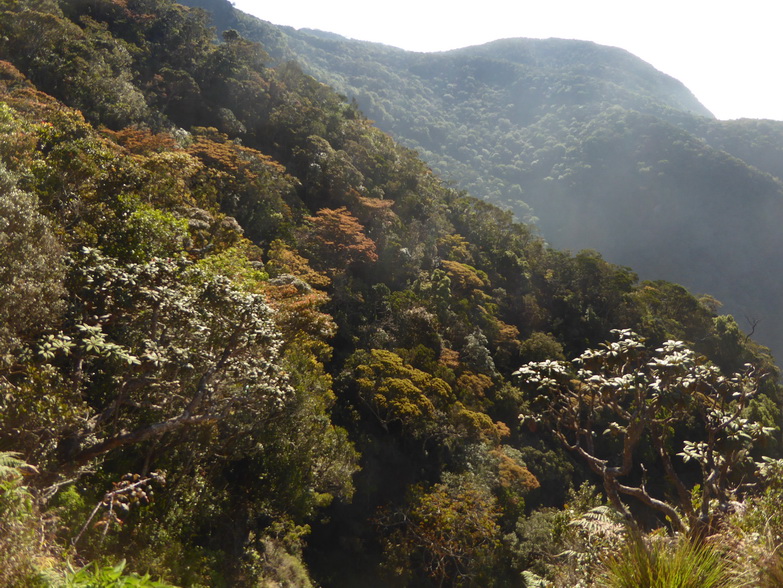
(541, 52)
(549, 143)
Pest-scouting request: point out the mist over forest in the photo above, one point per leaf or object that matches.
(597, 147)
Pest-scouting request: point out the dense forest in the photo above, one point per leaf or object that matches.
(594, 145)
(247, 339)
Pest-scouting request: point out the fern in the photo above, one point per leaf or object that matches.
(602, 520)
(531, 580)
(10, 466)
(15, 500)
(599, 529)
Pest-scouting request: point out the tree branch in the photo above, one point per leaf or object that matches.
(140, 435)
(671, 475)
(659, 505)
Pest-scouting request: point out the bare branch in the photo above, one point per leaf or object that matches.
(659, 505)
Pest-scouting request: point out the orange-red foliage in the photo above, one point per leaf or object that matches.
(142, 141)
(514, 475)
(338, 239)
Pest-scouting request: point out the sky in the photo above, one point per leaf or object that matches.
(727, 52)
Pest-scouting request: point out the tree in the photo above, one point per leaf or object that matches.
(422, 404)
(622, 404)
(246, 183)
(158, 347)
(31, 266)
(336, 239)
(450, 532)
(397, 392)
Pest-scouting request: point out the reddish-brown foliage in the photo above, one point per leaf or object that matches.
(337, 239)
(142, 141)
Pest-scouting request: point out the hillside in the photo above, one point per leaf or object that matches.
(599, 148)
(249, 340)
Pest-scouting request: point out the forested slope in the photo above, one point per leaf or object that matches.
(246, 339)
(601, 149)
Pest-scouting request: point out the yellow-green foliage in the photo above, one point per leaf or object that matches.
(145, 232)
(449, 530)
(110, 576)
(398, 392)
(464, 278)
(234, 264)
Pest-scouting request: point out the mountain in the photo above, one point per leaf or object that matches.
(600, 149)
(247, 339)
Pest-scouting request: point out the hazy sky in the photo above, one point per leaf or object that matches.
(726, 52)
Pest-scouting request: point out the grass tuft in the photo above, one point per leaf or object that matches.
(673, 563)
